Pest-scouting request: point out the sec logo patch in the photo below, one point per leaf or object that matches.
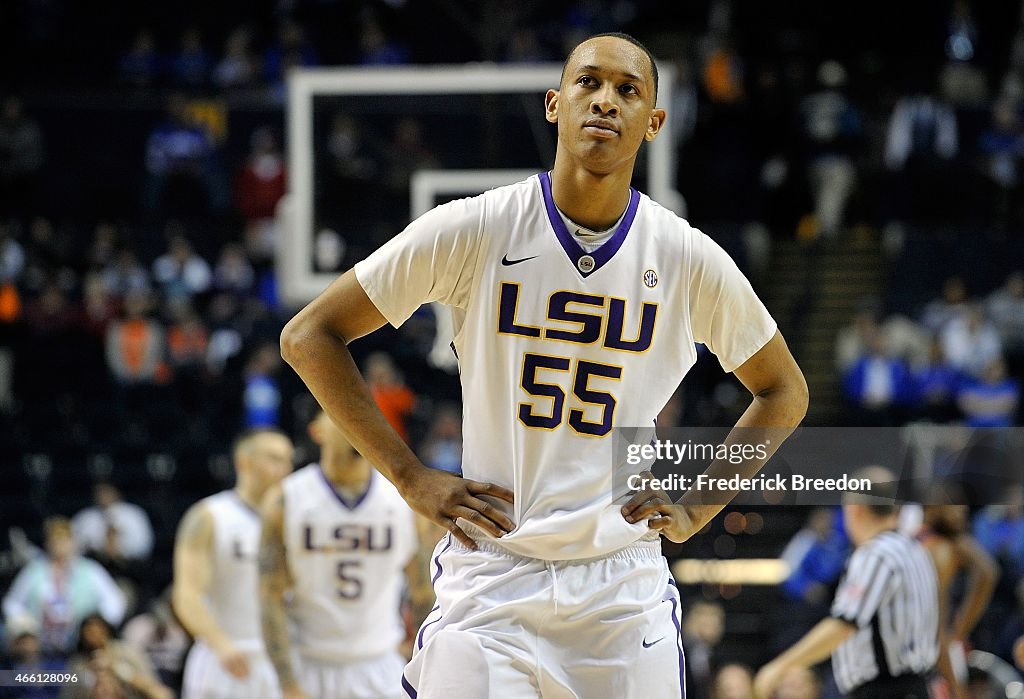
(651, 278)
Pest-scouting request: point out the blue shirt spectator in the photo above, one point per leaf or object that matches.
(992, 400)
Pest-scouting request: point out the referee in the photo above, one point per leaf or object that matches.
(882, 632)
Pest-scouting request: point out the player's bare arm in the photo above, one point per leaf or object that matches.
(314, 343)
(816, 645)
(779, 404)
(193, 566)
(982, 576)
(275, 582)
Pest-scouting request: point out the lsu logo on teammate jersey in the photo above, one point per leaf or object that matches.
(347, 537)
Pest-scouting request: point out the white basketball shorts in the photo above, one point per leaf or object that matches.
(507, 627)
(373, 678)
(206, 678)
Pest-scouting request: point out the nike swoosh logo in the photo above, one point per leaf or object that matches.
(508, 263)
(648, 645)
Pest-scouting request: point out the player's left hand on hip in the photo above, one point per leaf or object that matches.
(673, 521)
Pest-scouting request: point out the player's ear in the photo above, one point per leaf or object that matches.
(551, 106)
(315, 431)
(655, 123)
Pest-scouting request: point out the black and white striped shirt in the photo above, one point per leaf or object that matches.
(890, 592)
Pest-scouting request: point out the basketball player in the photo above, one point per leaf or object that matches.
(577, 303)
(215, 592)
(337, 537)
(944, 535)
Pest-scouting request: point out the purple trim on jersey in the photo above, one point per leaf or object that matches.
(673, 592)
(408, 687)
(419, 636)
(437, 561)
(608, 249)
(246, 506)
(345, 503)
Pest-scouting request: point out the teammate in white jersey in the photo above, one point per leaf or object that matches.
(215, 593)
(576, 304)
(337, 538)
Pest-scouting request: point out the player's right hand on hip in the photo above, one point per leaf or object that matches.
(443, 498)
(236, 662)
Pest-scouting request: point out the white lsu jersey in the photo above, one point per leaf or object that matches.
(558, 346)
(347, 565)
(233, 594)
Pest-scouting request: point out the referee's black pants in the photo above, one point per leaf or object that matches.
(905, 687)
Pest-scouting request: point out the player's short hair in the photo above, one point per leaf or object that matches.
(625, 37)
(243, 440)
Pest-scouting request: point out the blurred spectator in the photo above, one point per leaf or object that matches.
(405, 154)
(970, 342)
(60, 589)
(877, 387)
(798, 683)
(234, 273)
(12, 261)
(103, 247)
(524, 47)
(112, 529)
(832, 130)
(723, 73)
(191, 66)
(261, 185)
(239, 67)
(187, 339)
(703, 629)
(26, 653)
(939, 312)
(124, 275)
(852, 340)
(21, 159)
(1000, 530)
(935, 387)
(226, 339)
(291, 49)
(378, 49)
(140, 67)
(136, 346)
(922, 130)
(921, 145)
(180, 272)
(389, 391)
(1006, 309)
(109, 667)
(262, 397)
(98, 309)
(990, 400)
(815, 556)
(180, 153)
(1003, 147)
(733, 681)
(442, 448)
(157, 634)
(51, 321)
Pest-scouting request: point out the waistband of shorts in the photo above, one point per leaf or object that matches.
(637, 551)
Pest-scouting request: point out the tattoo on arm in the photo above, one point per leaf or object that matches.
(274, 582)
